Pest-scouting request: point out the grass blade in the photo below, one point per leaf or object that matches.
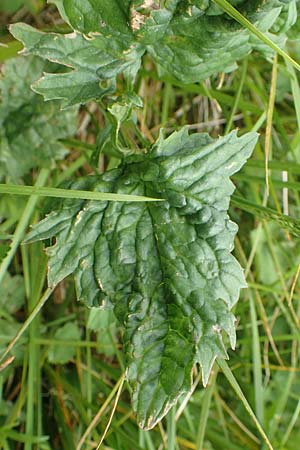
(234, 384)
(270, 112)
(205, 410)
(171, 423)
(235, 14)
(15, 189)
(257, 372)
(103, 407)
(113, 411)
(27, 322)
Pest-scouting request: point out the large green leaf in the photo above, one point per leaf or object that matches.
(188, 40)
(166, 268)
(29, 127)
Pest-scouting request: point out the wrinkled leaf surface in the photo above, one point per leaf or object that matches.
(188, 41)
(165, 267)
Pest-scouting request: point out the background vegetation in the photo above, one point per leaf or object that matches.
(65, 381)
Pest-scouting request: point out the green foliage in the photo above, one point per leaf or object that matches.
(11, 6)
(188, 41)
(30, 128)
(158, 276)
(165, 268)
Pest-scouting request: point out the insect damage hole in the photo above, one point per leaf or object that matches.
(139, 13)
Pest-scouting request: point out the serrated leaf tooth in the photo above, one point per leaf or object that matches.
(209, 350)
(152, 421)
(149, 422)
(206, 371)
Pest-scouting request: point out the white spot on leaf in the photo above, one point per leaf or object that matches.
(138, 18)
(71, 35)
(216, 328)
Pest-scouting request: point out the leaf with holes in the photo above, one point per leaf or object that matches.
(165, 267)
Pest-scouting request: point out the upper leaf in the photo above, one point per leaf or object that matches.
(29, 127)
(88, 16)
(95, 62)
(166, 268)
(188, 40)
(203, 40)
